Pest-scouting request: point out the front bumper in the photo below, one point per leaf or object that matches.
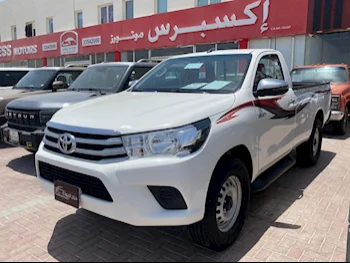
(337, 115)
(28, 140)
(128, 184)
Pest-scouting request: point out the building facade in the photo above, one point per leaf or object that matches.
(37, 33)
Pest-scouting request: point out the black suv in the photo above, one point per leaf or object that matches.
(27, 117)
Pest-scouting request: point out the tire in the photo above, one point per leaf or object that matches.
(210, 233)
(341, 126)
(309, 152)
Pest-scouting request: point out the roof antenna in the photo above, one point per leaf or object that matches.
(211, 50)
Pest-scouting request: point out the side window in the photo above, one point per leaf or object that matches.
(269, 67)
(138, 72)
(67, 77)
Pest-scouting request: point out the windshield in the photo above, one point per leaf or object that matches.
(10, 78)
(100, 77)
(334, 75)
(36, 79)
(210, 74)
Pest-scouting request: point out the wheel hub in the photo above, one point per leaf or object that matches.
(229, 204)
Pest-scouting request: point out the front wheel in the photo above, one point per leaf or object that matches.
(309, 152)
(341, 126)
(226, 207)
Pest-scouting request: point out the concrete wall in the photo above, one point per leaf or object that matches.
(19, 12)
(293, 48)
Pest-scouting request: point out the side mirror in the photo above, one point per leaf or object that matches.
(132, 83)
(272, 87)
(58, 85)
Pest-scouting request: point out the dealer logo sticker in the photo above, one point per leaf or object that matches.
(91, 41)
(69, 43)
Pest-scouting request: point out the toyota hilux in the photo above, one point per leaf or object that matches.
(187, 144)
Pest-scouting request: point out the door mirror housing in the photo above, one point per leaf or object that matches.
(57, 85)
(271, 87)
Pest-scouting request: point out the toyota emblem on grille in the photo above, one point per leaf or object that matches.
(67, 143)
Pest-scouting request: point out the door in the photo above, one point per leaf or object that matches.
(276, 114)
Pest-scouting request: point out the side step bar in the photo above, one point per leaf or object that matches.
(272, 174)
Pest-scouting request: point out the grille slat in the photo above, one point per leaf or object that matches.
(89, 146)
(89, 185)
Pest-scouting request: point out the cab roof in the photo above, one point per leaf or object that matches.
(323, 66)
(226, 52)
(125, 64)
(16, 69)
(61, 68)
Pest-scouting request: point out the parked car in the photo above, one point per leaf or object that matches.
(187, 150)
(97, 80)
(38, 81)
(10, 76)
(339, 76)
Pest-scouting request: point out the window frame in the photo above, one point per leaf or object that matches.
(48, 25)
(100, 16)
(255, 85)
(77, 19)
(158, 5)
(208, 2)
(14, 32)
(126, 10)
(33, 28)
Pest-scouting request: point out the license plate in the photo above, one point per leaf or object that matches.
(13, 136)
(67, 193)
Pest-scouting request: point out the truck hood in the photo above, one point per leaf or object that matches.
(13, 93)
(339, 89)
(5, 88)
(130, 112)
(50, 100)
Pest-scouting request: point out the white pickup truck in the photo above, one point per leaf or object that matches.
(187, 144)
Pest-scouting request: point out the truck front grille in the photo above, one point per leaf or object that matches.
(88, 146)
(89, 185)
(23, 117)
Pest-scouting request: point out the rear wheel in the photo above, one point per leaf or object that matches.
(309, 152)
(341, 126)
(226, 207)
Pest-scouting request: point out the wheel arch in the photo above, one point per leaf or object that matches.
(241, 152)
(320, 116)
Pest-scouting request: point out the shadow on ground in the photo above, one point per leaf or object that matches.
(24, 165)
(329, 133)
(4, 145)
(88, 237)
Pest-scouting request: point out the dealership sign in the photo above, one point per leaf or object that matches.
(69, 43)
(224, 22)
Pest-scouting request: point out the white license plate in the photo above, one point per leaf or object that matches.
(13, 136)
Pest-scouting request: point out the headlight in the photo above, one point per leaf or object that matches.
(46, 115)
(173, 142)
(335, 102)
(6, 114)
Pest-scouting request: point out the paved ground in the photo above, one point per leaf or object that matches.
(302, 217)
